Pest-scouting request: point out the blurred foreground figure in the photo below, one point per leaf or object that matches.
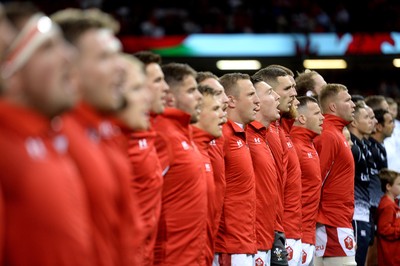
(205, 130)
(46, 218)
(147, 181)
(138, 143)
(216, 149)
(99, 74)
(7, 32)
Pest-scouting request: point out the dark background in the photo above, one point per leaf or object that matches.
(365, 74)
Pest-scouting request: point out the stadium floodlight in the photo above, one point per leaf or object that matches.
(325, 64)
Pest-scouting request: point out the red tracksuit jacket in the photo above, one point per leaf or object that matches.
(217, 154)
(266, 184)
(302, 139)
(202, 139)
(237, 228)
(146, 183)
(277, 142)
(182, 227)
(147, 186)
(388, 232)
(292, 191)
(337, 172)
(46, 214)
(107, 175)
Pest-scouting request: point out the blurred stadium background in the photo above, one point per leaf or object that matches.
(365, 34)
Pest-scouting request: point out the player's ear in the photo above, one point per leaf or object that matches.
(302, 119)
(232, 101)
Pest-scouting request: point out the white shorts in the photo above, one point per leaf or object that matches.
(233, 260)
(262, 258)
(334, 241)
(293, 248)
(335, 261)
(307, 254)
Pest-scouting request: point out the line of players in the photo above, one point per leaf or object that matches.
(113, 159)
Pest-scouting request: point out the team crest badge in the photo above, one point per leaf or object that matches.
(259, 262)
(348, 243)
(290, 252)
(303, 257)
(278, 254)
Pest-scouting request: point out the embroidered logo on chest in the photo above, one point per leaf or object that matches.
(185, 145)
(208, 167)
(257, 140)
(289, 144)
(239, 143)
(143, 144)
(60, 144)
(106, 130)
(35, 148)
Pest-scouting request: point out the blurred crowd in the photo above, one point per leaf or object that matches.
(108, 158)
(160, 18)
